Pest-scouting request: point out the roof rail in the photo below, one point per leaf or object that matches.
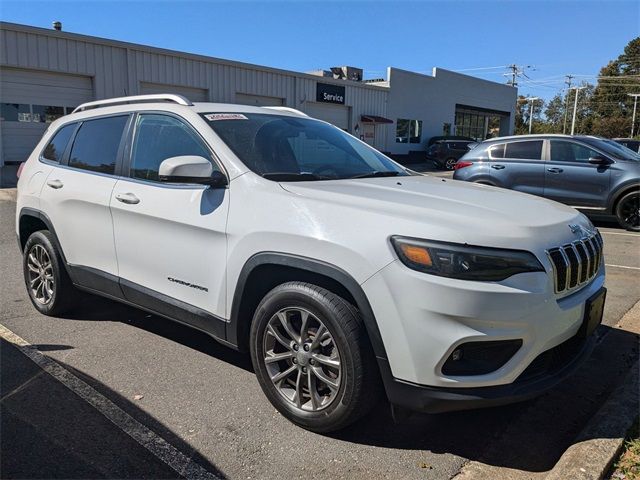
(288, 109)
(167, 97)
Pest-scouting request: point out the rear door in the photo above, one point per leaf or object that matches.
(518, 165)
(77, 192)
(571, 179)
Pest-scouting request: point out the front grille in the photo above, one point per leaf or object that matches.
(575, 264)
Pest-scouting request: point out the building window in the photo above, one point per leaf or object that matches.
(15, 112)
(46, 114)
(408, 131)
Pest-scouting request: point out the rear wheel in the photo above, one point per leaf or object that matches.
(48, 285)
(450, 163)
(628, 211)
(312, 357)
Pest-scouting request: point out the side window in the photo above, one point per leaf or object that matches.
(57, 145)
(95, 147)
(496, 151)
(562, 151)
(158, 137)
(531, 150)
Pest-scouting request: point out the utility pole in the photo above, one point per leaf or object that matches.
(515, 71)
(635, 104)
(575, 108)
(531, 99)
(566, 103)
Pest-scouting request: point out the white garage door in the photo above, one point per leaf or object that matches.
(193, 94)
(30, 100)
(336, 114)
(258, 100)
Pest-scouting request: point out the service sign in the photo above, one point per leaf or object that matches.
(328, 93)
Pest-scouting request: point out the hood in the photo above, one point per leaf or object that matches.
(458, 211)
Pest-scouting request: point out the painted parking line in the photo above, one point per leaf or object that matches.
(621, 266)
(620, 233)
(156, 445)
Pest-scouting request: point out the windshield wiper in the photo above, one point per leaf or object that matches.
(293, 176)
(377, 173)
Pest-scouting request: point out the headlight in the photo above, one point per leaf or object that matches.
(463, 261)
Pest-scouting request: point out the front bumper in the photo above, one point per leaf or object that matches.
(424, 318)
(533, 382)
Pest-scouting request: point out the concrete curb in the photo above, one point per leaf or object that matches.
(602, 439)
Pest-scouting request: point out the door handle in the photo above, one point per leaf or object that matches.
(128, 198)
(497, 167)
(55, 184)
(555, 170)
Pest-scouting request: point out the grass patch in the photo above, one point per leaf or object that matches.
(628, 465)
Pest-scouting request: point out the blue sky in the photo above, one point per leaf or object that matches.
(480, 38)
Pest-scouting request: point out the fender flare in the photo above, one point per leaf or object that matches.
(619, 192)
(32, 212)
(315, 266)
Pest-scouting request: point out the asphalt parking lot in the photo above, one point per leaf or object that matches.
(178, 386)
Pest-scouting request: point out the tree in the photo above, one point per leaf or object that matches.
(611, 104)
(523, 111)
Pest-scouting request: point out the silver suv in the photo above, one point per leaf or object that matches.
(589, 173)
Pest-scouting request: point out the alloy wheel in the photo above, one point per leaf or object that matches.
(41, 281)
(450, 163)
(630, 211)
(302, 359)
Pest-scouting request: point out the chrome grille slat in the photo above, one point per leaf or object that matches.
(576, 264)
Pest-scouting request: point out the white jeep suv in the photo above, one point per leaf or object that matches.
(341, 272)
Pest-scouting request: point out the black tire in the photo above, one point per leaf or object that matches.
(450, 163)
(628, 211)
(63, 293)
(359, 385)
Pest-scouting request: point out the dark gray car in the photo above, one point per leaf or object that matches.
(589, 173)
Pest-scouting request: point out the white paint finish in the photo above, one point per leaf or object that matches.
(181, 463)
(173, 232)
(202, 237)
(80, 212)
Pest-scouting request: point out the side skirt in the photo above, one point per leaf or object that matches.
(121, 290)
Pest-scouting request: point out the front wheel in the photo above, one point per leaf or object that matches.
(450, 163)
(312, 357)
(628, 211)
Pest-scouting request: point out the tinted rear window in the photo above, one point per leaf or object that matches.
(531, 150)
(95, 147)
(496, 151)
(56, 147)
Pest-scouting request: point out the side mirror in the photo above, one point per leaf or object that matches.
(191, 169)
(599, 161)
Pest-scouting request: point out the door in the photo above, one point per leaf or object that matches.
(518, 166)
(76, 196)
(30, 101)
(338, 115)
(258, 100)
(170, 239)
(571, 179)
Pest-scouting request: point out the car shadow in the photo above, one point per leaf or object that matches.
(49, 431)
(529, 436)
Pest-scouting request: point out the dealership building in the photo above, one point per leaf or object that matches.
(45, 73)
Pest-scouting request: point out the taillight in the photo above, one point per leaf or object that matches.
(460, 165)
(20, 168)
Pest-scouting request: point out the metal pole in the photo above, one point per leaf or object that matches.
(566, 103)
(531, 117)
(575, 107)
(633, 118)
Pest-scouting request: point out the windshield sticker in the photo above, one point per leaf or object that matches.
(212, 117)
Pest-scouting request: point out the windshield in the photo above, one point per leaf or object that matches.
(287, 148)
(617, 151)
